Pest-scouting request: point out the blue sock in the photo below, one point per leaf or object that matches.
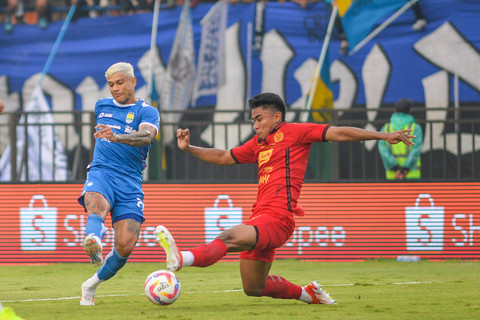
(113, 262)
(95, 225)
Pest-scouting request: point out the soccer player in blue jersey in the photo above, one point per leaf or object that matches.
(125, 130)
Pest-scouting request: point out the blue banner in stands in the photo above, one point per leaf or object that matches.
(400, 62)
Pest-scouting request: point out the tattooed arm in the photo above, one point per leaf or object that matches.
(142, 137)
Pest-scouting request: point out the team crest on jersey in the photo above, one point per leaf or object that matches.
(130, 117)
(264, 157)
(278, 136)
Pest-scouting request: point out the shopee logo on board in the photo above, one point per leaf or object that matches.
(307, 236)
(43, 228)
(464, 224)
(219, 218)
(424, 225)
(38, 225)
(75, 226)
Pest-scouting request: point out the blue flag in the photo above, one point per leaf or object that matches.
(360, 16)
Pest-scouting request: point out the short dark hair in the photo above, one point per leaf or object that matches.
(268, 100)
(403, 105)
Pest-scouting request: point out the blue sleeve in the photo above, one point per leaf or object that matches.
(97, 104)
(151, 116)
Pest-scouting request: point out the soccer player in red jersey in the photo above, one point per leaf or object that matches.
(281, 151)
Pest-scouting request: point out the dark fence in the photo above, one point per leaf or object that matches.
(451, 148)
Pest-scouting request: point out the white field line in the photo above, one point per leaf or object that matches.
(215, 291)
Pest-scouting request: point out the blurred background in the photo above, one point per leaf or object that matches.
(53, 55)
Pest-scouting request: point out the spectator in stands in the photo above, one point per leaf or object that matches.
(134, 6)
(15, 10)
(84, 9)
(43, 13)
(302, 3)
(402, 161)
(420, 22)
(17, 7)
(127, 6)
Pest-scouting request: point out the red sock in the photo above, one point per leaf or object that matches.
(278, 287)
(207, 254)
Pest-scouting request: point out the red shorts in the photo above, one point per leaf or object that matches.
(274, 229)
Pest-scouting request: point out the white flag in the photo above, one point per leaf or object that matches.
(41, 145)
(177, 85)
(211, 58)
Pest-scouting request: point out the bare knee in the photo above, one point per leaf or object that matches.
(125, 243)
(127, 232)
(124, 247)
(253, 291)
(239, 238)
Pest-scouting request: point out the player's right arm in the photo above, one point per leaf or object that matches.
(210, 155)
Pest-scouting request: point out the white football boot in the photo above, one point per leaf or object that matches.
(166, 241)
(92, 245)
(318, 295)
(88, 290)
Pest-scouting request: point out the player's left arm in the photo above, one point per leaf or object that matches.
(144, 136)
(346, 134)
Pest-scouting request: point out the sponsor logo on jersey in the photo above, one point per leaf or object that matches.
(129, 129)
(264, 157)
(105, 115)
(278, 136)
(263, 179)
(130, 117)
(265, 170)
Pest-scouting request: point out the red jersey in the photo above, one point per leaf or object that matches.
(282, 160)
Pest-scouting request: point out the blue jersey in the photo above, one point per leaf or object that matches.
(123, 119)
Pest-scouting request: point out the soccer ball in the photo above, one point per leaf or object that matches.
(162, 287)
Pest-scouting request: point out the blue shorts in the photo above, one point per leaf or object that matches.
(123, 192)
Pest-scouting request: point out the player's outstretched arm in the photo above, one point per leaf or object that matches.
(142, 137)
(210, 155)
(357, 134)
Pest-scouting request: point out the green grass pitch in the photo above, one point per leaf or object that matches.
(383, 289)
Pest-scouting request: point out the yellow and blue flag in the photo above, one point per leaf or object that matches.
(323, 95)
(319, 160)
(360, 16)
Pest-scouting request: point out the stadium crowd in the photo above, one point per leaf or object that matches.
(42, 12)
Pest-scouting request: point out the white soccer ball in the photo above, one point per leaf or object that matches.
(162, 287)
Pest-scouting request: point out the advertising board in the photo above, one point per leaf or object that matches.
(43, 223)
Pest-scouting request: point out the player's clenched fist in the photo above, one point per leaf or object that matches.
(183, 138)
(104, 131)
